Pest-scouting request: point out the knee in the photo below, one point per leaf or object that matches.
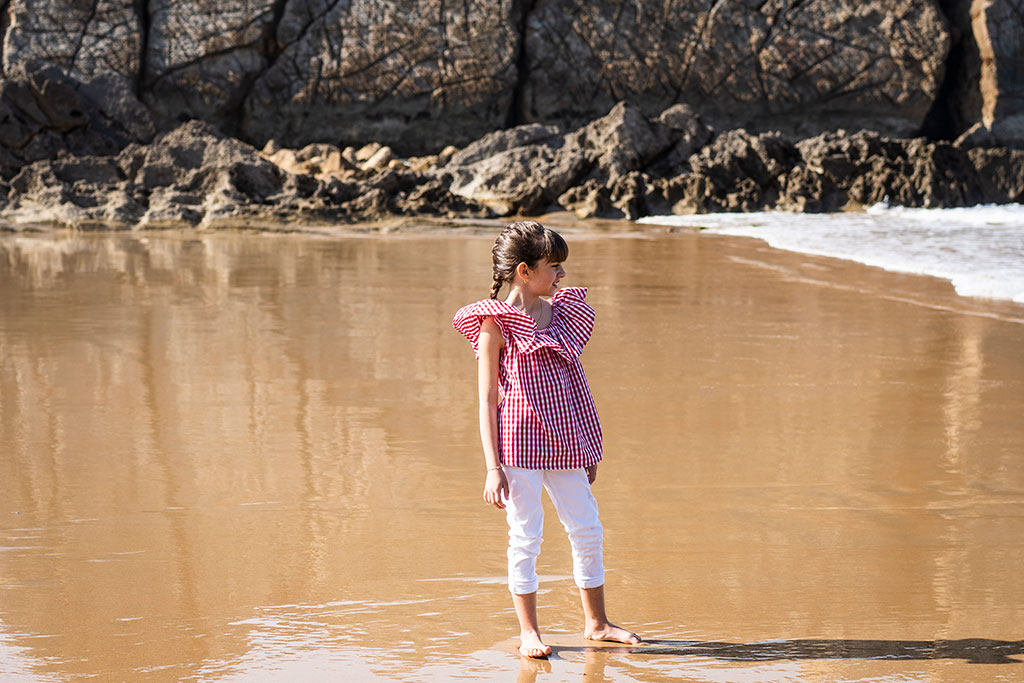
(587, 536)
(526, 544)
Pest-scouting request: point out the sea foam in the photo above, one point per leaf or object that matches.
(979, 249)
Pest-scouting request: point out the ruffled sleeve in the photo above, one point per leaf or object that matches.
(575, 316)
(516, 327)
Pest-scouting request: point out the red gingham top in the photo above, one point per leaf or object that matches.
(546, 419)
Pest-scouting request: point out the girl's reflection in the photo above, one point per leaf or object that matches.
(593, 667)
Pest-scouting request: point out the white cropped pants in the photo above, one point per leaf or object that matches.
(576, 506)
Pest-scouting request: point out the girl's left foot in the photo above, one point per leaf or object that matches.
(612, 633)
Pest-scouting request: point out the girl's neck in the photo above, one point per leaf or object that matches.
(525, 301)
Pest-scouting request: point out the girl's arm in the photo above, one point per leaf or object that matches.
(489, 345)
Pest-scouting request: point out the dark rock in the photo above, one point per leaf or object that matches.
(79, 191)
(1008, 131)
(867, 168)
(591, 198)
(1000, 174)
(44, 112)
(419, 75)
(499, 141)
(425, 195)
(628, 196)
(692, 134)
(738, 171)
(621, 165)
(115, 112)
(197, 175)
(661, 195)
(191, 174)
(202, 58)
(90, 170)
(57, 100)
(513, 181)
(84, 40)
(984, 99)
(528, 178)
(334, 192)
(624, 165)
(414, 75)
(372, 204)
(623, 140)
(807, 189)
(800, 67)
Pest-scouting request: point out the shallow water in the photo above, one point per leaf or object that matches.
(237, 457)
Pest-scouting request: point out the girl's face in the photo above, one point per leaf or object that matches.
(543, 279)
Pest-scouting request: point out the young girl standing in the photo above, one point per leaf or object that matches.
(538, 424)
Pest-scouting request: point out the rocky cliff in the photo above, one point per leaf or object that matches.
(714, 105)
(420, 75)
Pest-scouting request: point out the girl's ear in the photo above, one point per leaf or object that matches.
(522, 270)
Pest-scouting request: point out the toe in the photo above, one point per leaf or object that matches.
(535, 652)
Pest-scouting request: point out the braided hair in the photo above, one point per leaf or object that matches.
(524, 242)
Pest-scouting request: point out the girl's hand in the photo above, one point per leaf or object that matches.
(495, 484)
(592, 473)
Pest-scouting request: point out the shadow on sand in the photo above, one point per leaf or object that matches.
(973, 650)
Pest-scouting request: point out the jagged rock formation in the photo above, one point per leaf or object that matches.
(44, 113)
(528, 168)
(624, 165)
(993, 73)
(420, 75)
(620, 165)
(195, 175)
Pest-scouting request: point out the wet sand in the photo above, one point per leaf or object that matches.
(227, 457)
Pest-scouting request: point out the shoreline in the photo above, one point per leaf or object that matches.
(976, 249)
(394, 225)
(922, 289)
(918, 289)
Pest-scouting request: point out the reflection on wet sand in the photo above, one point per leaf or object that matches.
(231, 456)
(963, 394)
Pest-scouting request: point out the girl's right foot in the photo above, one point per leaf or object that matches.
(532, 646)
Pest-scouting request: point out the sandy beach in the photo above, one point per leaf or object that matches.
(238, 457)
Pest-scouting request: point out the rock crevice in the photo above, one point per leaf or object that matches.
(418, 76)
(518, 113)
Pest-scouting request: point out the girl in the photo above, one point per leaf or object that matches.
(544, 431)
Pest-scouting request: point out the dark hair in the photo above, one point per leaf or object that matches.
(524, 242)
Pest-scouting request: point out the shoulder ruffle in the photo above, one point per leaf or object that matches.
(575, 317)
(519, 328)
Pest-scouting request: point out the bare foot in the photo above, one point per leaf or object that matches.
(612, 633)
(532, 646)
